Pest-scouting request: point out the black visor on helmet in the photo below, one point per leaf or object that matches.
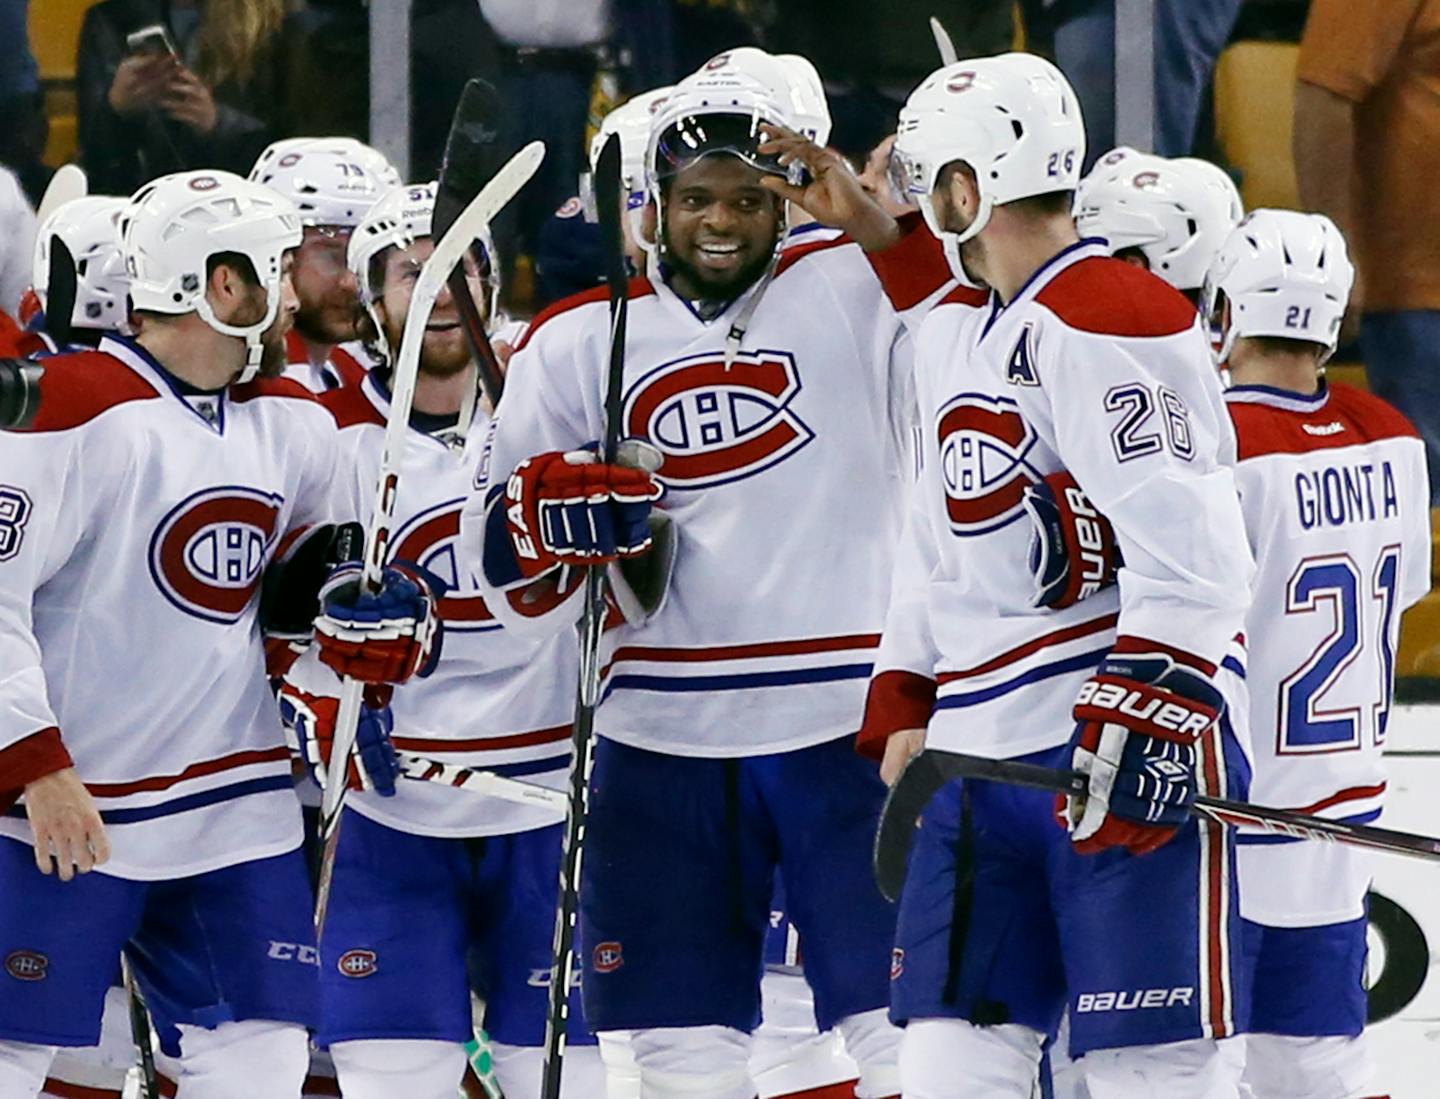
(696, 136)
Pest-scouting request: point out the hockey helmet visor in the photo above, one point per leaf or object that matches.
(693, 137)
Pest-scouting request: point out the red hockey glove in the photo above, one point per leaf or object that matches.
(570, 509)
(1138, 721)
(1072, 546)
(309, 707)
(382, 638)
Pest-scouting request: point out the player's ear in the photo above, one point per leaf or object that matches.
(649, 223)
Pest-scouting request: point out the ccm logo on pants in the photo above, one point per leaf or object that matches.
(1134, 999)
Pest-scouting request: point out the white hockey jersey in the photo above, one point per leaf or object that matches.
(1101, 369)
(346, 365)
(1336, 502)
(135, 525)
(783, 475)
(496, 700)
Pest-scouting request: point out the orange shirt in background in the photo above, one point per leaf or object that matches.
(1384, 56)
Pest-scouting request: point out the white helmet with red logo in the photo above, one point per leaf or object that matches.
(631, 120)
(331, 180)
(1013, 119)
(1283, 274)
(404, 215)
(172, 226)
(1176, 212)
(792, 81)
(89, 229)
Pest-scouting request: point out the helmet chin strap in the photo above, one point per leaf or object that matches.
(737, 331)
(251, 334)
(950, 242)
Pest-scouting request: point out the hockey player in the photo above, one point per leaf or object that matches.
(1169, 216)
(1335, 494)
(89, 229)
(333, 181)
(136, 726)
(1087, 364)
(428, 876)
(724, 734)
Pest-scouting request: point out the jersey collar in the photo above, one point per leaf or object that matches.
(148, 367)
(376, 388)
(1274, 397)
(1071, 254)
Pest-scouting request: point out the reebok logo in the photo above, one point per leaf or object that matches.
(1134, 999)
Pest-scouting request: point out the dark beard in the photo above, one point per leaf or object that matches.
(311, 324)
(273, 358)
(724, 290)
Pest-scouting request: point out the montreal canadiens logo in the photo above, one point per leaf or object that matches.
(984, 446)
(608, 957)
(357, 963)
(429, 539)
(27, 965)
(1145, 181)
(716, 425)
(208, 554)
(961, 82)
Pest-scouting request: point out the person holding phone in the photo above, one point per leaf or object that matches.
(168, 86)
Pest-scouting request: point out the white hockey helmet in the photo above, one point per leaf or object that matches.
(331, 180)
(811, 108)
(1284, 274)
(173, 225)
(89, 228)
(404, 215)
(631, 120)
(1013, 119)
(1176, 212)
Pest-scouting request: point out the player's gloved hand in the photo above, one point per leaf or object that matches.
(572, 509)
(1139, 718)
(1072, 546)
(382, 638)
(310, 718)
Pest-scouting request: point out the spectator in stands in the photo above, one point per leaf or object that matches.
(23, 126)
(1367, 153)
(550, 53)
(1188, 38)
(216, 101)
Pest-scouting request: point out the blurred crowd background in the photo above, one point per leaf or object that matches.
(1330, 105)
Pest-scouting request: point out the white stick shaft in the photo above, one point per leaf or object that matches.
(449, 251)
(487, 783)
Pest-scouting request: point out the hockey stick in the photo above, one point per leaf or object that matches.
(943, 42)
(592, 626)
(933, 768)
(140, 1032)
(488, 783)
(449, 250)
(68, 183)
(471, 154)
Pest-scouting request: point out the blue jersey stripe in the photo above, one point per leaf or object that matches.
(190, 801)
(738, 682)
(1034, 675)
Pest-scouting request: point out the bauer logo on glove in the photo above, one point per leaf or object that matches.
(1139, 720)
(386, 637)
(1073, 553)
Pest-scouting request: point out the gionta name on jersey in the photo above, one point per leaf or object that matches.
(716, 425)
(208, 554)
(984, 444)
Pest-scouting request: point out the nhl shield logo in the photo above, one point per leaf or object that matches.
(984, 445)
(716, 425)
(357, 963)
(27, 965)
(607, 957)
(208, 553)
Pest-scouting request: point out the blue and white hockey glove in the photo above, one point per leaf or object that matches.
(568, 509)
(383, 638)
(1073, 553)
(1139, 719)
(309, 707)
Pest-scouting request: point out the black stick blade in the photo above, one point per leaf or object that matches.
(473, 152)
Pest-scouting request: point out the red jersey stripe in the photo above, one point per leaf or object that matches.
(198, 770)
